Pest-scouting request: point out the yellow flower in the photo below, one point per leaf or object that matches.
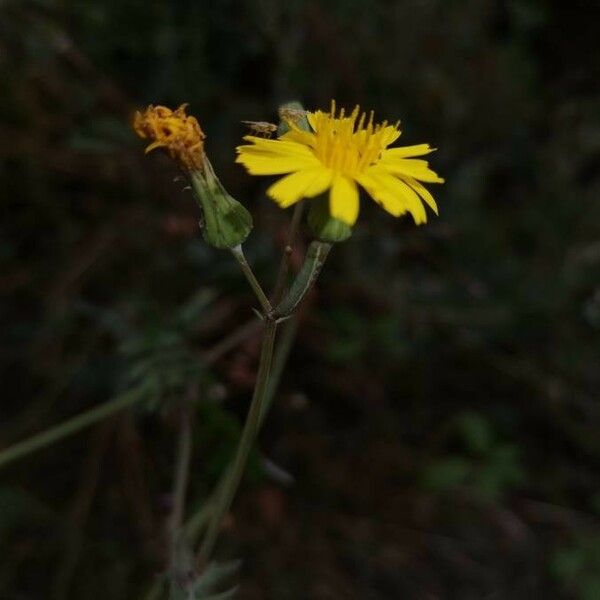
(339, 153)
(180, 134)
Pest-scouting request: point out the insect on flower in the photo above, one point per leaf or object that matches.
(292, 115)
(263, 128)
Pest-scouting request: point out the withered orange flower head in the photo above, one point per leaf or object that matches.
(180, 134)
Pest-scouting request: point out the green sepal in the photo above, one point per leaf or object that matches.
(226, 222)
(325, 227)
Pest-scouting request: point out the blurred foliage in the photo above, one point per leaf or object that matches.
(577, 567)
(440, 410)
(489, 466)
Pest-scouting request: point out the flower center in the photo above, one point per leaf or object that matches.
(346, 144)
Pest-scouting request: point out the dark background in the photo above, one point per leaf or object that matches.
(439, 412)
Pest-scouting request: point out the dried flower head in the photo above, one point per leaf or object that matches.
(226, 223)
(180, 134)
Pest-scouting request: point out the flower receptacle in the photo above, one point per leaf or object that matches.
(325, 227)
(226, 222)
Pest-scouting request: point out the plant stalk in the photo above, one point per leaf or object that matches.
(69, 427)
(313, 263)
(284, 265)
(182, 469)
(234, 475)
(238, 254)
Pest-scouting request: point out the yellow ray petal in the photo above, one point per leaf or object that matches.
(343, 200)
(414, 204)
(266, 163)
(153, 145)
(379, 192)
(389, 135)
(314, 119)
(279, 147)
(299, 136)
(423, 192)
(410, 167)
(306, 183)
(408, 151)
(392, 190)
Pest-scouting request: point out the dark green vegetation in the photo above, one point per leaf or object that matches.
(440, 412)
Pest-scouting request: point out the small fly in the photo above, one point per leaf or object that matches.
(292, 115)
(261, 127)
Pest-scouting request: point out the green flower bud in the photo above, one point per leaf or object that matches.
(226, 223)
(325, 227)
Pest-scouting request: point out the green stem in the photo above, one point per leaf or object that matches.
(249, 433)
(282, 353)
(238, 254)
(313, 263)
(182, 469)
(284, 265)
(195, 525)
(265, 388)
(69, 427)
